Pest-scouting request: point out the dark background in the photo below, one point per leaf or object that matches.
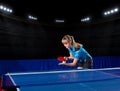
(19, 39)
(24, 39)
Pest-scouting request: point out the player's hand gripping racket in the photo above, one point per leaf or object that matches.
(62, 59)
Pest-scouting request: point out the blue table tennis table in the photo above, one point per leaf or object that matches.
(105, 79)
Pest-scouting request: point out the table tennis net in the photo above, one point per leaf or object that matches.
(60, 77)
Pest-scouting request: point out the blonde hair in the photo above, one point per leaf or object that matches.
(70, 39)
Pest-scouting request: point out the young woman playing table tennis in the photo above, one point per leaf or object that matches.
(81, 58)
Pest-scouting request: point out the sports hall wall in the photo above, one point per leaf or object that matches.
(24, 40)
(20, 39)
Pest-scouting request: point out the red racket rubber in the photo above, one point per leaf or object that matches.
(60, 58)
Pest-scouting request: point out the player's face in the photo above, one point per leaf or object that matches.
(67, 45)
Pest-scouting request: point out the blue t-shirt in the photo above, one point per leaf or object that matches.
(80, 54)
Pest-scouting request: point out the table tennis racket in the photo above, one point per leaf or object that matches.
(60, 58)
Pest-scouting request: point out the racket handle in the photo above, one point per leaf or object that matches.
(66, 58)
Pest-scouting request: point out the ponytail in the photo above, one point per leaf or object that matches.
(75, 44)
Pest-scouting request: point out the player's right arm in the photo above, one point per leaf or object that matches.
(70, 57)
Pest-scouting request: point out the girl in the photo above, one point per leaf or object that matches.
(81, 58)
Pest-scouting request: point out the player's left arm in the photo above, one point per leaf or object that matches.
(70, 64)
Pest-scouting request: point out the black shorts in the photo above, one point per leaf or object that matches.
(86, 64)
